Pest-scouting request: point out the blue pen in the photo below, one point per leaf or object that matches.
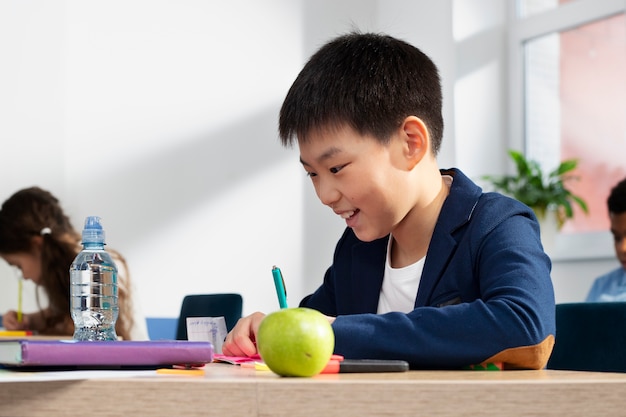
(279, 283)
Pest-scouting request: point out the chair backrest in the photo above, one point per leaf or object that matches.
(590, 337)
(162, 328)
(228, 305)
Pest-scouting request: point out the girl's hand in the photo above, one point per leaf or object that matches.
(10, 322)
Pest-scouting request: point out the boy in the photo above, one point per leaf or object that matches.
(429, 269)
(612, 285)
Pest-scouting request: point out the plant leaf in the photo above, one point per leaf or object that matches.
(538, 190)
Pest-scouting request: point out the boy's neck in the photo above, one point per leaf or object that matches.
(412, 236)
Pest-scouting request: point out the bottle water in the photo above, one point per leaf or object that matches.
(93, 289)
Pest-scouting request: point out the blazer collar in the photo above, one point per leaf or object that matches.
(369, 258)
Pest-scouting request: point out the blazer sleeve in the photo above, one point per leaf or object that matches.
(502, 309)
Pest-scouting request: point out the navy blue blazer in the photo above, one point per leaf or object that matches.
(485, 293)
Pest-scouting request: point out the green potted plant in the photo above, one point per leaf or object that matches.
(540, 191)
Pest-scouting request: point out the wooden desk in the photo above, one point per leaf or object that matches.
(228, 390)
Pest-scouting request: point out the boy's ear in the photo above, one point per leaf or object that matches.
(416, 139)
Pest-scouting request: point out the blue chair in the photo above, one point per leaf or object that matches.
(228, 305)
(590, 337)
(162, 328)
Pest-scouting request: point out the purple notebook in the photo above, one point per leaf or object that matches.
(124, 353)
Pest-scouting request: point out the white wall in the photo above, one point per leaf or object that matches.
(161, 118)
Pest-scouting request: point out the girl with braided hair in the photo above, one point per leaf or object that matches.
(38, 238)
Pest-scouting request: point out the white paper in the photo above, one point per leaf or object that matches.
(212, 329)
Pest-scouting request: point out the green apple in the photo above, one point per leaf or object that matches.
(295, 341)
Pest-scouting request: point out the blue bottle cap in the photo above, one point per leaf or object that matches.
(93, 233)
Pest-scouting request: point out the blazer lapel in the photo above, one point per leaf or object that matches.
(368, 267)
(439, 253)
(456, 211)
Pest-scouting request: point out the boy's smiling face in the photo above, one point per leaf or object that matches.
(360, 179)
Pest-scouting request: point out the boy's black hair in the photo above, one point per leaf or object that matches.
(617, 199)
(370, 82)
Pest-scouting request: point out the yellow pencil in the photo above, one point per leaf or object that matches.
(19, 300)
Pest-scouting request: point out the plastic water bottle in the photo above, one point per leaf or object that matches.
(93, 289)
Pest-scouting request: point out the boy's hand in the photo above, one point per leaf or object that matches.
(241, 341)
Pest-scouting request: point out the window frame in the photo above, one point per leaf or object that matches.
(577, 246)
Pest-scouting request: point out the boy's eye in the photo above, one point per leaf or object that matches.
(311, 174)
(336, 169)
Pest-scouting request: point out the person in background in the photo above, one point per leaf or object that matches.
(612, 285)
(37, 238)
(429, 269)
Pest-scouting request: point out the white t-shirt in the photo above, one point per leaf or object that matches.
(399, 288)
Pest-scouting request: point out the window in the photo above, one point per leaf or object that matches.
(569, 101)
